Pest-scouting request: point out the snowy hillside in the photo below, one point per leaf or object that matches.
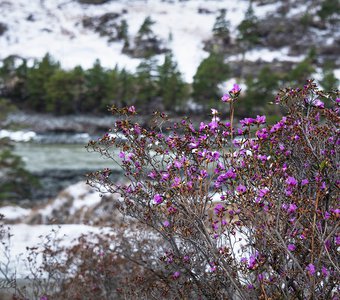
(55, 26)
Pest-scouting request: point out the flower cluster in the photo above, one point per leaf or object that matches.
(221, 191)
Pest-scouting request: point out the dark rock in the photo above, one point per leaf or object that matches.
(3, 28)
(46, 30)
(204, 11)
(30, 18)
(105, 25)
(96, 2)
(145, 48)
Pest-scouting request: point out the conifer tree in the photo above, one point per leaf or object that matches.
(37, 78)
(329, 81)
(248, 36)
(171, 88)
(122, 30)
(210, 73)
(221, 26)
(145, 30)
(145, 81)
(96, 80)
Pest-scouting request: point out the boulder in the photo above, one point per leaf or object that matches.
(3, 28)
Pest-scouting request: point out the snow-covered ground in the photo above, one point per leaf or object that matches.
(57, 29)
(25, 236)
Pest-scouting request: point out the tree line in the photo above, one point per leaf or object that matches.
(46, 87)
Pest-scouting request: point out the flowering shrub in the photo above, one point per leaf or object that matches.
(243, 212)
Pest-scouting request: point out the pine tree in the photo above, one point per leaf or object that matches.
(145, 31)
(171, 88)
(146, 82)
(96, 82)
(37, 78)
(301, 72)
(122, 30)
(248, 36)
(221, 26)
(329, 81)
(210, 73)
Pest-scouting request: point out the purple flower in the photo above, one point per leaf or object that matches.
(318, 103)
(230, 174)
(260, 119)
(236, 88)
(43, 298)
(327, 215)
(176, 182)
(204, 173)
(166, 223)
(247, 121)
(291, 247)
(132, 109)
(291, 181)
(219, 209)
(337, 240)
(244, 260)
(158, 199)
(226, 98)
(262, 158)
(252, 262)
(241, 188)
(263, 192)
(213, 124)
(262, 134)
(216, 155)
(152, 175)
(176, 275)
(121, 155)
(186, 258)
(324, 271)
(165, 176)
(310, 269)
(304, 182)
(177, 164)
(291, 208)
(202, 126)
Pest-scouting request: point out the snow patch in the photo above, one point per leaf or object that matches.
(14, 212)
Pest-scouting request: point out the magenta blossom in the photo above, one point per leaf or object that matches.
(291, 208)
(291, 247)
(247, 121)
(291, 181)
(236, 89)
(176, 275)
(219, 209)
(260, 119)
(304, 182)
(226, 98)
(241, 188)
(166, 223)
(165, 176)
(263, 192)
(310, 269)
(158, 199)
(132, 109)
(324, 271)
(318, 103)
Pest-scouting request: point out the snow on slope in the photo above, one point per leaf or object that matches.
(57, 29)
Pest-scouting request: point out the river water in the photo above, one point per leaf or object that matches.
(40, 157)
